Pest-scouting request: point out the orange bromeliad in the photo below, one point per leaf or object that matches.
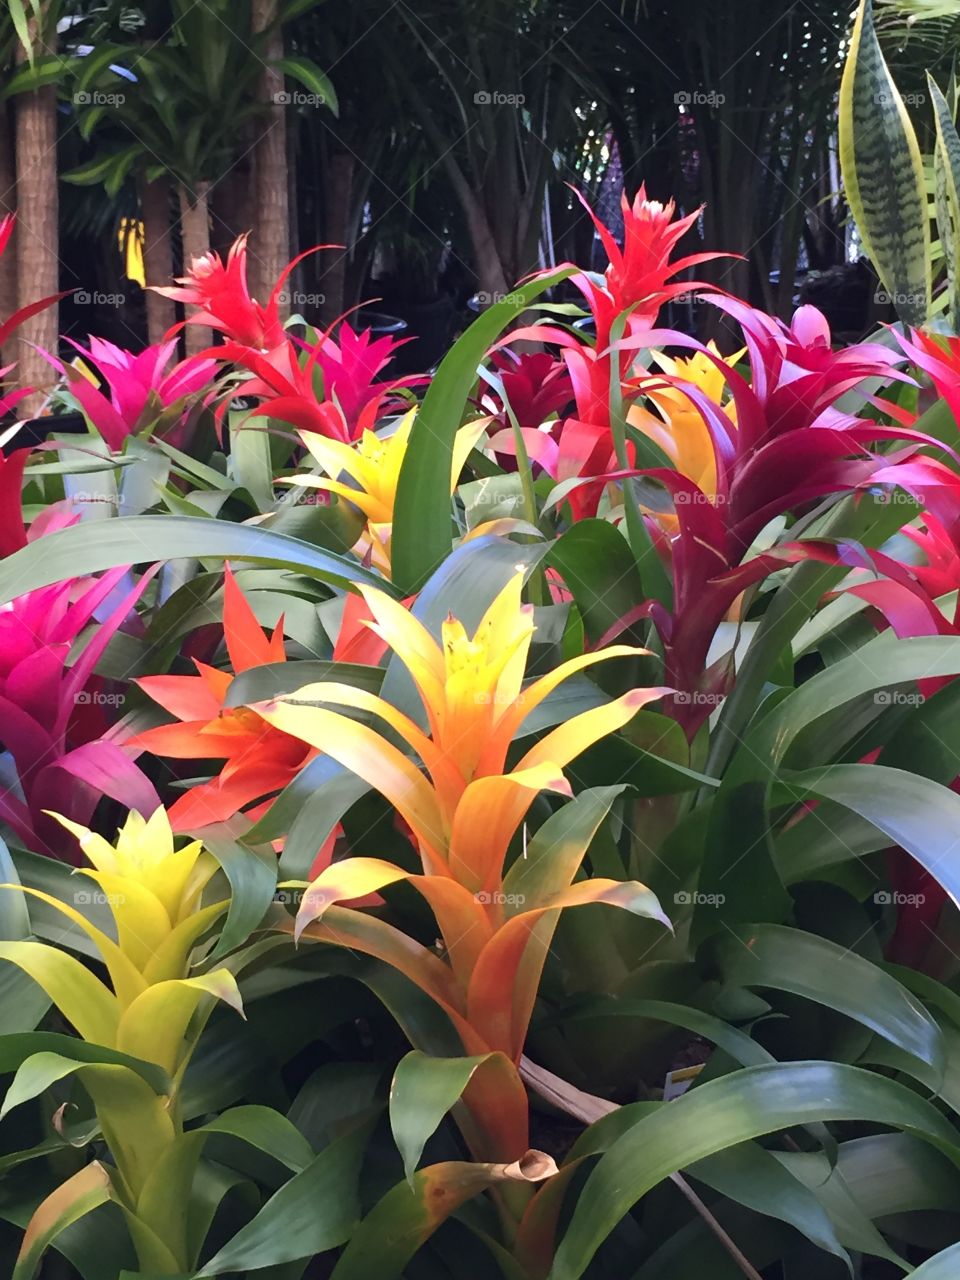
(259, 758)
(464, 806)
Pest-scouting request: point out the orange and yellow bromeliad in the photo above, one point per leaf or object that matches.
(451, 783)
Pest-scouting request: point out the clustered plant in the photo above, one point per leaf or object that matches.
(325, 696)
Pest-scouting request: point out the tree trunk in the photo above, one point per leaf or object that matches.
(233, 206)
(38, 262)
(270, 250)
(338, 205)
(157, 255)
(8, 262)
(195, 232)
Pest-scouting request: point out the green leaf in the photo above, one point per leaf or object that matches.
(89, 548)
(423, 1091)
(714, 1116)
(274, 679)
(553, 857)
(312, 78)
(597, 565)
(947, 176)
(768, 955)
(422, 525)
(883, 173)
(919, 815)
(313, 1212)
(753, 1177)
(408, 1215)
(253, 881)
(78, 1196)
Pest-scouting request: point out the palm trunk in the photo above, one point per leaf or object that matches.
(37, 244)
(157, 255)
(195, 233)
(270, 251)
(339, 203)
(8, 262)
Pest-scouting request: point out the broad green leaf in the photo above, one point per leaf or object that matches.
(751, 1175)
(883, 173)
(315, 1211)
(769, 955)
(712, 1117)
(423, 525)
(83, 549)
(554, 855)
(423, 1091)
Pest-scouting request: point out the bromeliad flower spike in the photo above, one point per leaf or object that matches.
(464, 810)
(138, 1032)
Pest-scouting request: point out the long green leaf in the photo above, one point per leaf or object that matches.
(107, 544)
(422, 523)
(737, 1108)
(883, 173)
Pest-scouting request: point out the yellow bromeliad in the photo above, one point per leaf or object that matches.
(464, 806)
(678, 426)
(144, 1025)
(373, 463)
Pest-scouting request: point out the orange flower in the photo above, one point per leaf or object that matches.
(259, 758)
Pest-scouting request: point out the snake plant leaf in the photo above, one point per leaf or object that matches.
(883, 173)
(946, 167)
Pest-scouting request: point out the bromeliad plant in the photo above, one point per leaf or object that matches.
(136, 1035)
(663, 629)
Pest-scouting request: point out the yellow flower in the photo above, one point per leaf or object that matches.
(678, 427)
(464, 807)
(373, 463)
(475, 702)
(153, 893)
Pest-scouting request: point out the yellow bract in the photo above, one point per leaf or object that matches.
(153, 892)
(679, 429)
(373, 463)
(473, 694)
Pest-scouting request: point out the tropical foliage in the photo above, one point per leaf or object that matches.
(339, 706)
